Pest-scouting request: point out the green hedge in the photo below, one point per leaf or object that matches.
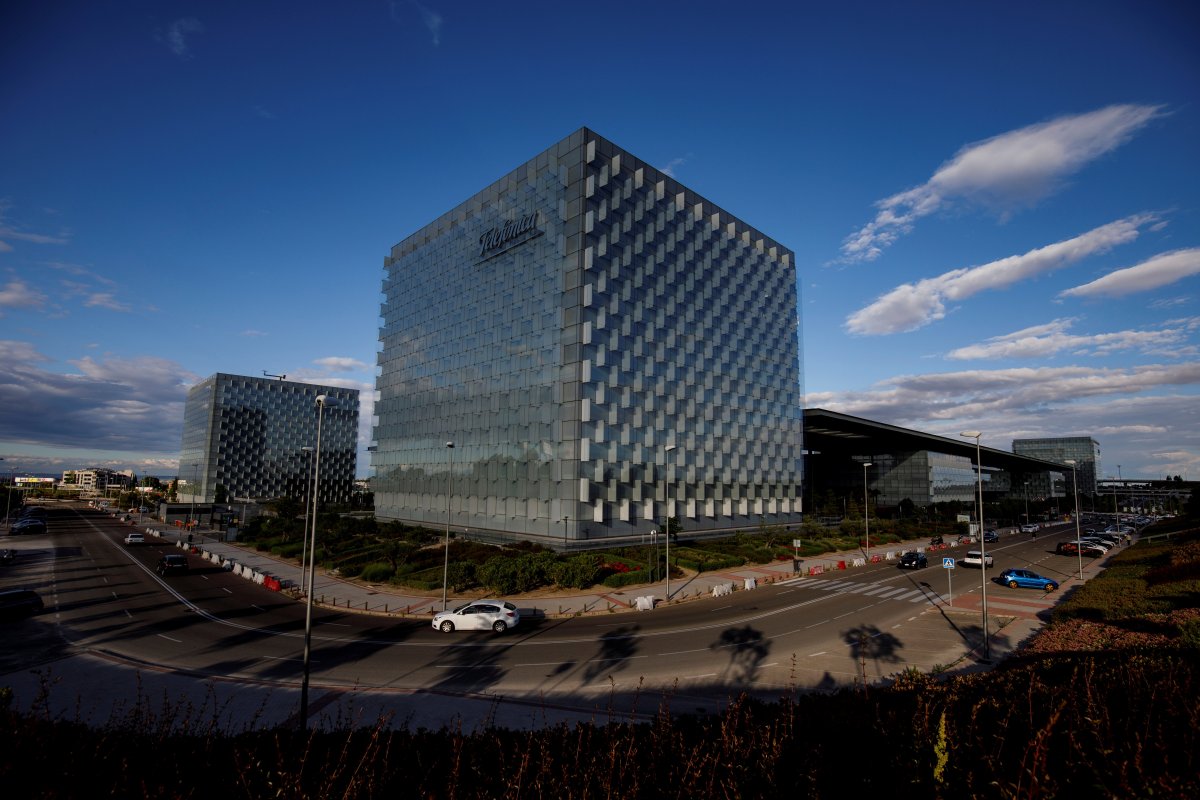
(619, 579)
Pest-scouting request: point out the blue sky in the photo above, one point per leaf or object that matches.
(995, 206)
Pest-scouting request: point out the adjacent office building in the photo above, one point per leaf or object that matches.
(1083, 450)
(254, 439)
(602, 347)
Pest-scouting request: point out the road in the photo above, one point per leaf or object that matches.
(105, 600)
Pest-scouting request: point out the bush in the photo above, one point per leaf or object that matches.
(376, 572)
(577, 572)
(525, 573)
(461, 576)
(620, 579)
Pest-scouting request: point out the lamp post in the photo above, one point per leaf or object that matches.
(322, 402)
(304, 536)
(449, 490)
(1078, 548)
(987, 644)
(667, 516)
(1117, 500)
(8, 504)
(191, 494)
(866, 510)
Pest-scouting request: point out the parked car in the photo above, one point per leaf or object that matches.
(1093, 549)
(135, 538)
(991, 535)
(28, 526)
(172, 564)
(1066, 548)
(19, 603)
(974, 558)
(1028, 579)
(1030, 527)
(481, 615)
(914, 560)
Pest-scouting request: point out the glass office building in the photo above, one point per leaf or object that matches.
(603, 347)
(245, 438)
(1084, 450)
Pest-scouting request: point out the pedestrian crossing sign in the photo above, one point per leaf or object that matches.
(947, 563)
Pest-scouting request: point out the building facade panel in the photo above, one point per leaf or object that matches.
(245, 437)
(564, 328)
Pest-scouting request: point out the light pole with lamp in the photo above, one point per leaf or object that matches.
(449, 491)
(987, 644)
(866, 510)
(308, 466)
(667, 517)
(8, 505)
(322, 402)
(1078, 543)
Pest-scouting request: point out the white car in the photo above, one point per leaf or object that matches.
(481, 615)
(973, 558)
(1031, 527)
(135, 538)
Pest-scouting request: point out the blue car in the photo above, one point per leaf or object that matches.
(1028, 579)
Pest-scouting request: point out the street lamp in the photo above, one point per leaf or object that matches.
(987, 644)
(191, 494)
(322, 402)
(866, 509)
(1078, 548)
(8, 504)
(304, 535)
(449, 490)
(667, 516)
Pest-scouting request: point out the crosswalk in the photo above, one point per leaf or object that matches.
(880, 590)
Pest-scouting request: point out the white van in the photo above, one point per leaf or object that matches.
(974, 558)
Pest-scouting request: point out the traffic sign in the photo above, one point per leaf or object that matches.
(947, 563)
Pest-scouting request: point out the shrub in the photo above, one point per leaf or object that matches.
(461, 576)
(524, 573)
(626, 579)
(376, 572)
(577, 572)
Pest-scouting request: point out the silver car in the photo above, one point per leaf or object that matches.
(480, 615)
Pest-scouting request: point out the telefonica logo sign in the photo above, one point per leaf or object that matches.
(509, 234)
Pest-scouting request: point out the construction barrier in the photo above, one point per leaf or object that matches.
(858, 562)
(817, 570)
(271, 583)
(751, 583)
(644, 603)
(891, 555)
(875, 559)
(722, 589)
(841, 565)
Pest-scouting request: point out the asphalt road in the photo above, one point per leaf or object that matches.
(105, 600)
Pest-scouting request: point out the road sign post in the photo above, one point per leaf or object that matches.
(948, 565)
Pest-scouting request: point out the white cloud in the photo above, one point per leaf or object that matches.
(674, 164)
(176, 37)
(13, 232)
(1160, 270)
(341, 363)
(252, 333)
(1052, 338)
(431, 19)
(911, 306)
(1006, 172)
(106, 300)
(119, 405)
(18, 294)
